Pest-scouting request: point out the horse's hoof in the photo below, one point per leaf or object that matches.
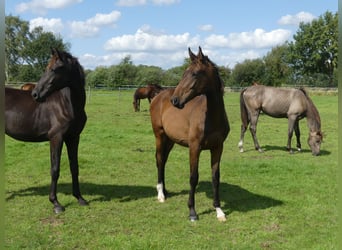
(222, 218)
(241, 150)
(83, 202)
(161, 199)
(58, 209)
(193, 218)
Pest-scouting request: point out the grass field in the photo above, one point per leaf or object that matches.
(272, 200)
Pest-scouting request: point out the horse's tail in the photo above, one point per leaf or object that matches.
(243, 110)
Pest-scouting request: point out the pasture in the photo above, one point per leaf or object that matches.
(272, 200)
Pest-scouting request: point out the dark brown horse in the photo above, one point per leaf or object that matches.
(293, 104)
(28, 86)
(192, 115)
(149, 92)
(55, 113)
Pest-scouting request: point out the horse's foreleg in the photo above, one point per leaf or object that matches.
(72, 148)
(292, 122)
(194, 158)
(56, 145)
(215, 172)
(163, 148)
(297, 132)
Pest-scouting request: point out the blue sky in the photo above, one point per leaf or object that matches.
(158, 32)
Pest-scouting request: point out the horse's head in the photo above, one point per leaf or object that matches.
(58, 75)
(198, 78)
(315, 139)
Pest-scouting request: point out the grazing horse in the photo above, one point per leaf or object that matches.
(53, 112)
(192, 115)
(293, 104)
(149, 92)
(28, 86)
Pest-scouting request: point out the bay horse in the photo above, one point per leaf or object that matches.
(149, 92)
(28, 86)
(192, 115)
(53, 112)
(293, 104)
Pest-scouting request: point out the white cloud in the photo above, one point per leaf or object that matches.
(42, 6)
(54, 25)
(91, 26)
(133, 3)
(142, 40)
(296, 19)
(206, 27)
(165, 2)
(258, 38)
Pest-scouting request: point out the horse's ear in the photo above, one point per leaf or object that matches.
(192, 55)
(53, 51)
(200, 55)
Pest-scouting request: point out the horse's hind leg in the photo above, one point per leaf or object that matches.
(252, 128)
(72, 148)
(163, 148)
(243, 131)
(56, 145)
(215, 172)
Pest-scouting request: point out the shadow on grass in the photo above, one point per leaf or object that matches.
(238, 199)
(267, 148)
(234, 197)
(104, 192)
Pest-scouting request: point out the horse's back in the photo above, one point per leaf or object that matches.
(276, 102)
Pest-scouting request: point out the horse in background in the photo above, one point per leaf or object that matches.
(293, 104)
(192, 115)
(54, 112)
(28, 86)
(149, 92)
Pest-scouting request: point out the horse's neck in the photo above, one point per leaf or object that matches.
(78, 99)
(313, 118)
(215, 104)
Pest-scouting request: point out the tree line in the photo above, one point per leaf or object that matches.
(309, 59)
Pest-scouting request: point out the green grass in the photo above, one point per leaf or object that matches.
(272, 200)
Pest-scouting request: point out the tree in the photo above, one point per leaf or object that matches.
(28, 50)
(16, 38)
(315, 46)
(277, 70)
(148, 74)
(249, 71)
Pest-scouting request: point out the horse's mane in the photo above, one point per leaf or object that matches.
(66, 57)
(212, 64)
(312, 107)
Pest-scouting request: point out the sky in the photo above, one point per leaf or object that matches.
(159, 32)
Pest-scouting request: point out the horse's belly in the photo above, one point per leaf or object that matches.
(19, 127)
